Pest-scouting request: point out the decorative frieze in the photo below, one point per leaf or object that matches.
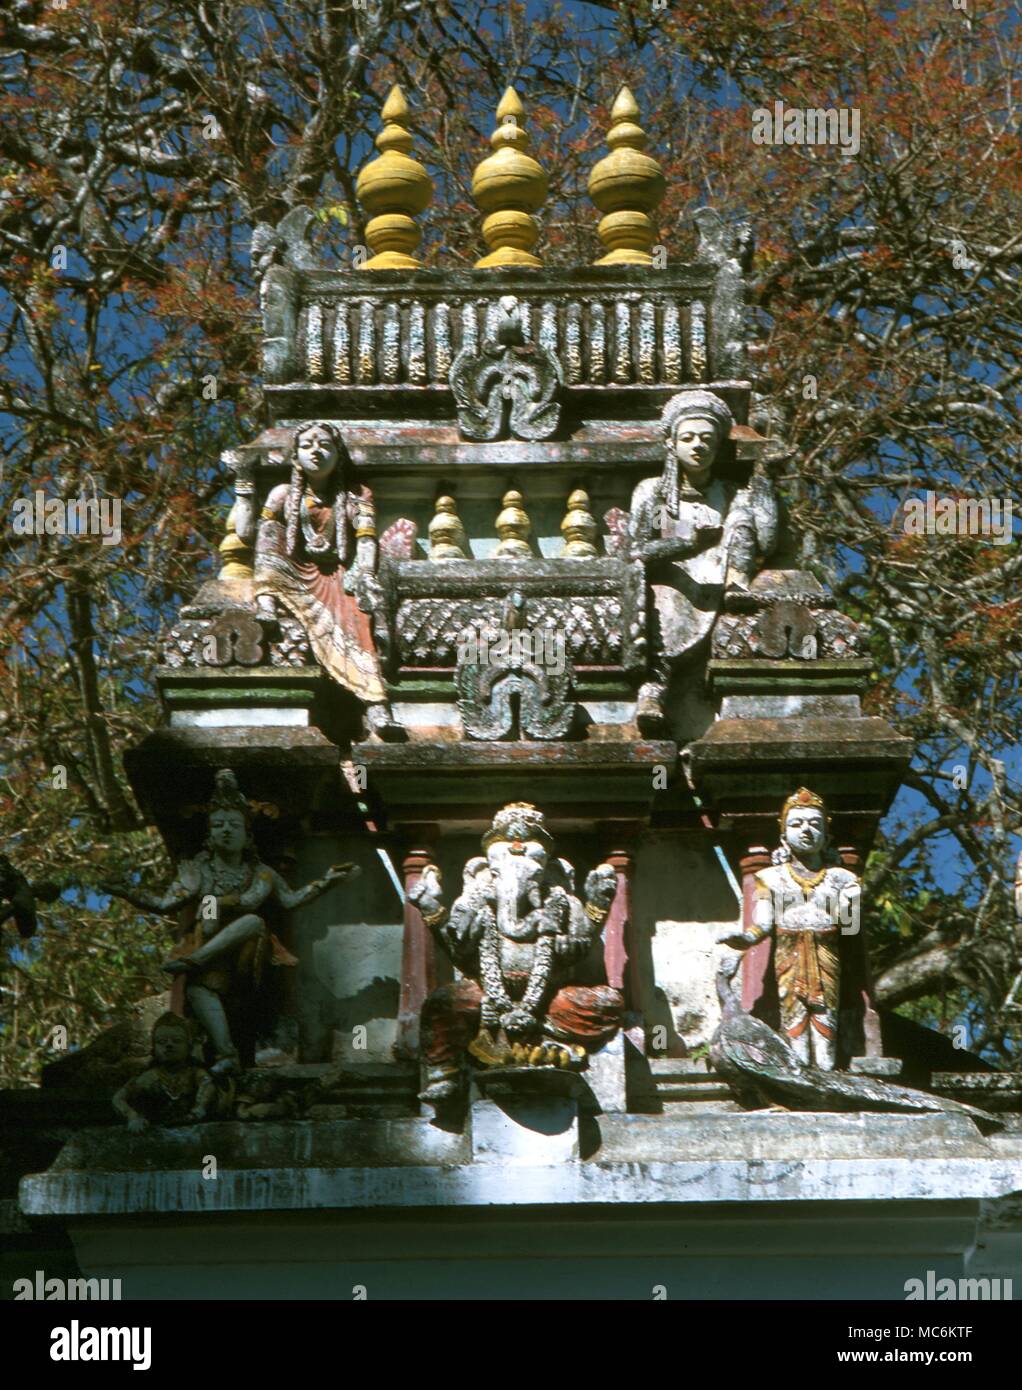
(362, 330)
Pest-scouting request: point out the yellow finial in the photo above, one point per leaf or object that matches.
(578, 528)
(509, 186)
(626, 186)
(447, 539)
(236, 553)
(513, 527)
(394, 189)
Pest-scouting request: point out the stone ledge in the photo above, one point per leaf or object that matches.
(641, 1159)
(489, 1185)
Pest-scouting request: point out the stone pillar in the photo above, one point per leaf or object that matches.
(855, 959)
(618, 947)
(756, 960)
(418, 972)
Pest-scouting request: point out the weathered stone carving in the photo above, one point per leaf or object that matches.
(398, 541)
(513, 680)
(285, 244)
(700, 538)
(787, 616)
(173, 1089)
(596, 606)
(316, 557)
(804, 899)
(223, 894)
(506, 388)
(762, 1068)
(227, 633)
(729, 247)
(520, 936)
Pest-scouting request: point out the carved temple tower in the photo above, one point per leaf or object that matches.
(535, 595)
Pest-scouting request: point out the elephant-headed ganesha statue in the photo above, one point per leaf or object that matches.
(524, 942)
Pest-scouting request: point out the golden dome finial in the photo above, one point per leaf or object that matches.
(626, 185)
(578, 527)
(509, 186)
(236, 554)
(394, 189)
(447, 539)
(513, 527)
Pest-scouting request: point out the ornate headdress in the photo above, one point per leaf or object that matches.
(689, 405)
(519, 820)
(803, 798)
(228, 796)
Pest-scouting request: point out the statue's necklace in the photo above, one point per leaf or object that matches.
(228, 878)
(807, 884)
(315, 543)
(175, 1083)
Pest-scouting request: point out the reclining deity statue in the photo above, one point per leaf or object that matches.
(316, 554)
(804, 898)
(519, 935)
(227, 945)
(701, 538)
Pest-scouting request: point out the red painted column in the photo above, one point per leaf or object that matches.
(855, 959)
(617, 930)
(418, 963)
(756, 960)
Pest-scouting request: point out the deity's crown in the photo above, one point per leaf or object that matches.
(704, 405)
(803, 798)
(519, 820)
(227, 795)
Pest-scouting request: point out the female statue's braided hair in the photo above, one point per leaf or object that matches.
(315, 544)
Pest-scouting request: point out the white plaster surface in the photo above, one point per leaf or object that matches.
(260, 717)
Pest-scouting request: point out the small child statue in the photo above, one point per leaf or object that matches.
(172, 1090)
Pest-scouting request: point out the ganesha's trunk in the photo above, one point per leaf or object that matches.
(515, 876)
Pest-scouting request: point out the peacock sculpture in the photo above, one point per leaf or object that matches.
(761, 1069)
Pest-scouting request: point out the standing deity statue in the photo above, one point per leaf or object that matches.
(701, 538)
(519, 935)
(804, 898)
(226, 946)
(316, 554)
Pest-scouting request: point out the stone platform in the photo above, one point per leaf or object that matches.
(773, 1156)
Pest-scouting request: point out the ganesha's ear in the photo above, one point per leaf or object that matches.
(560, 874)
(474, 873)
